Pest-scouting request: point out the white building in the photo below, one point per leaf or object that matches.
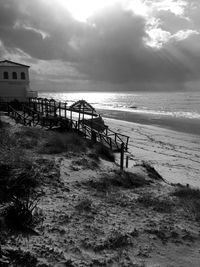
(14, 81)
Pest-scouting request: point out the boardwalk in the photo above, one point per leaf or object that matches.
(80, 117)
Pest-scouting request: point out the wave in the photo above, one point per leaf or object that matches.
(171, 107)
(134, 109)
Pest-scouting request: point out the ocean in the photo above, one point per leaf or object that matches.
(178, 111)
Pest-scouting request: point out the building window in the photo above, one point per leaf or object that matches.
(5, 75)
(23, 77)
(14, 75)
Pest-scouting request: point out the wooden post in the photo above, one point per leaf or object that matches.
(92, 120)
(122, 157)
(127, 158)
(59, 109)
(110, 143)
(42, 103)
(83, 114)
(65, 110)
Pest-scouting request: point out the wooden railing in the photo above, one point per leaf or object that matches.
(54, 114)
(18, 116)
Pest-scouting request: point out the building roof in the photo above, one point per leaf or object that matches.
(8, 63)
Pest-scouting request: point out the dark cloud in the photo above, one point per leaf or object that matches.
(37, 28)
(116, 52)
(109, 48)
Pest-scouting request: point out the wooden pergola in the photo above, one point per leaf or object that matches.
(84, 108)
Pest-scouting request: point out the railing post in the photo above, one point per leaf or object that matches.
(59, 109)
(65, 110)
(110, 143)
(127, 158)
(122, 157)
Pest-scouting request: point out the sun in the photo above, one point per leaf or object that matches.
(81, 10)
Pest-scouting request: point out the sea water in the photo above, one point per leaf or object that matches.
(176, 110)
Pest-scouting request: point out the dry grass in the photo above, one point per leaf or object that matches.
(20, 258)
(63, 142)
(29, 138)
(117, 179)
(104, 152)
(85, 163)
(157, 204)
(19, 180)
(85, 204)
(190, 200)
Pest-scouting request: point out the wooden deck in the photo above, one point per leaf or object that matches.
(51, 114)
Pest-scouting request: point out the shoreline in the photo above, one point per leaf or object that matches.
(175, 156)
(182, 125)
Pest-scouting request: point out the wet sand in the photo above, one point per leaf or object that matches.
(185, 125)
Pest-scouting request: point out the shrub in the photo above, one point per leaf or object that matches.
(187, 192)
(190, 200)
(116, 179)
(27, 137)
(21, 258)
(128, 179)
(19, 214)
(159, 205)
(63, 142)
(17, 181)
(104, 152)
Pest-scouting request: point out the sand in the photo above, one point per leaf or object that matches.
(175, 155)
(85, 223)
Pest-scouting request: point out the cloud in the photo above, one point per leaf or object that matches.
(117, 45)
(40, 30)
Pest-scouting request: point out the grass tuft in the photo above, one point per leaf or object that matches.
(84, 204)
(159, 205)
(63, 142)
(190, 198)
(19, 214)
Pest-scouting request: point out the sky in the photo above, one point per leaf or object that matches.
(104, 45)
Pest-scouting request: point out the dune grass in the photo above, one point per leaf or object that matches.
(63, 142)
(158, 204)
(19, 180)
(117, 179)
(190, 200)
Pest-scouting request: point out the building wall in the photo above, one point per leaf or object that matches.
(14, 88)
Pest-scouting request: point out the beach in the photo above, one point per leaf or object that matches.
(175, 155)
(91, 213)
(164, 128)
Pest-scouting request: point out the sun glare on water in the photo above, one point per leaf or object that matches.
(81, 10)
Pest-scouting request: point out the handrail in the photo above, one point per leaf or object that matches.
(48, 114)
